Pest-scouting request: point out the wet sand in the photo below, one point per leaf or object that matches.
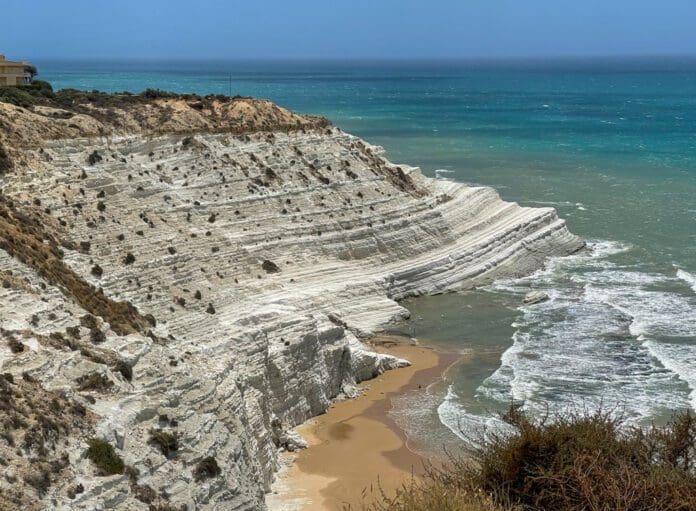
(355, 448)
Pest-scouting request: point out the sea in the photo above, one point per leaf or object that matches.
(609, 142)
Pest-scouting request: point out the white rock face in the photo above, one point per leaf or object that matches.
(247, 350)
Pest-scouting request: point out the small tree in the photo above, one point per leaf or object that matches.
(31, 70)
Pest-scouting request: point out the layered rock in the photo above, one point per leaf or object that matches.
(240, 262)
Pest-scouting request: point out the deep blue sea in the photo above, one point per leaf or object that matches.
(610, 143)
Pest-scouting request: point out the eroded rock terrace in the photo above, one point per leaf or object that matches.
(249, 265)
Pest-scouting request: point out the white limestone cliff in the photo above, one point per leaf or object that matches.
(263, 258)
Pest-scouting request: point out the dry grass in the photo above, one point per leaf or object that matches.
(23, 235)
(34, 427)
(574, 462)
(62, 114)
(433, 492)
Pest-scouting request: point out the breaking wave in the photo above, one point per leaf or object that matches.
(610, 336)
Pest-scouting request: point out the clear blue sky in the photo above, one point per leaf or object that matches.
(345, 29)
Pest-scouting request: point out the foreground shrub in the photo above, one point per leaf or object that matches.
(574, 462)
(432, 493)
(590, 461)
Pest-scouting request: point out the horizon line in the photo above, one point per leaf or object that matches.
(491, 58)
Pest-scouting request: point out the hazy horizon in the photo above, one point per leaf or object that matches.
(361, 30)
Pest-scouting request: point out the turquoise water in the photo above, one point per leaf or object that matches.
(611, 144)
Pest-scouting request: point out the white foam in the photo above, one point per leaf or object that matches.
(467, 426)
(610, 336)
(678, 358)
(606, 248)
(451, 413)
(598, 250)
(687, 277)
(552, 203)
(652, 312)
(439, 174)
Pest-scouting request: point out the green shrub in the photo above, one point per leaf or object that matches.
(157, 94)
(270, 266)
(94, 381)
(40, 88)
(206, 469)
(96, 336)
(73, 331)
(89, 321)
(18, 96)
(144, 493)
(125, 369)
(75, 490)
(166, 442)
(6, 163)
(94, 158)
(15, 345)
(102, 454)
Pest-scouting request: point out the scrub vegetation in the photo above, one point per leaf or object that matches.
(573, 462)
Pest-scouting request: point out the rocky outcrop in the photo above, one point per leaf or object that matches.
(534, 297)
(249, 262)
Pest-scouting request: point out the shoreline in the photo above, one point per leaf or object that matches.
(373, 449)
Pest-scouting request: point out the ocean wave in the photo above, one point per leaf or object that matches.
(587, 359)
(687, 277)
(552, 203)
(611, 336)
(469, 427)
(656, 313)
(559, 268)
(439, 174)
(678, 358)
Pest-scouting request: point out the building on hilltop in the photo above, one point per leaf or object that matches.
(15, 73)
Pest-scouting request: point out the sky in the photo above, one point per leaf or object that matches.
(331, 29)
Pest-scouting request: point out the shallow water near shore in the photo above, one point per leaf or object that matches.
(609, 337)
(611, 144)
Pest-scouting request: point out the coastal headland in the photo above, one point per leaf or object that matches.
(193, 277)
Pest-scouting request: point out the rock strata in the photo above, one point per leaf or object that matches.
(197, 275)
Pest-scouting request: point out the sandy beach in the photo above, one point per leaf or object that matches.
(355, 448)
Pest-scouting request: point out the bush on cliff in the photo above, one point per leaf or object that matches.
(207, 468)
(17, 96)
(104, 457)
(565, 463)
(6, 163)
(165, 441)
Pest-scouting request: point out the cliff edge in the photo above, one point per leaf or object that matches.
(188, 279)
